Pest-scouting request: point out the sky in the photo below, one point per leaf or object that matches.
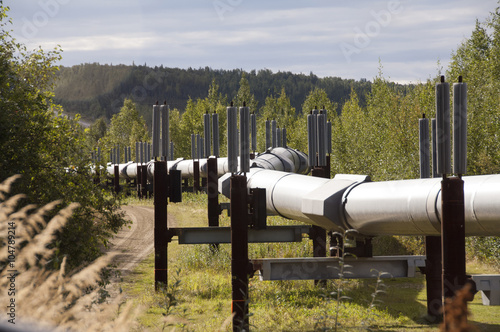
(347, 39)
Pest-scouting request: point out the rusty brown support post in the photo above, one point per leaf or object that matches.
(196, 176)
(116, 179)
(160, 224)
(452, 236)
(240, 265)
(433, 270)
(213, 196)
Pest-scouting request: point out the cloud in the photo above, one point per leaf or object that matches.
(280, 35)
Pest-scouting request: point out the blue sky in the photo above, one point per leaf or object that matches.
(329, 38)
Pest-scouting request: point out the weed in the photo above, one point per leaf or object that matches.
(66, 299)
(168, 302)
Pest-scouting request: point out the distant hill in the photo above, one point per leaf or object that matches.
(94, 90)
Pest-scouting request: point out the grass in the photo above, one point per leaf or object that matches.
(205, 290)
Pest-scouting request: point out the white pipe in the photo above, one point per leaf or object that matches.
(405, 207)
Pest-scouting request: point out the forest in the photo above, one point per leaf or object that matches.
(98, 90)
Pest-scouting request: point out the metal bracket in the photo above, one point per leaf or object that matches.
(328, 267)
(202, 235)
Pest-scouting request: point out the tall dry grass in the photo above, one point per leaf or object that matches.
(54, 300)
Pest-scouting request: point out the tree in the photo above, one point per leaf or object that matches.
(244, 95)
(126, 128)
(276, 108)
(40, 146)
(96, 132)
(316, 99)
(477, 59)
(192, 121)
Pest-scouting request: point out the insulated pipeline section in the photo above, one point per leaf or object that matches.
(405, 207)
(413, 207)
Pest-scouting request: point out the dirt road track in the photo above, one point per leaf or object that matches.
(136, 242)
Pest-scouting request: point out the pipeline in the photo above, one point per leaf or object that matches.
(404, 207)
(278, 159)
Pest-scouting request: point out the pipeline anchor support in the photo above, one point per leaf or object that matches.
(213, 196)
(240, 265)
(144, 181)
(160, 224)
(116, 179)
(452, 236)
(196, 176)
(318, 234)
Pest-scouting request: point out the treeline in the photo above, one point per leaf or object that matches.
(95, 90)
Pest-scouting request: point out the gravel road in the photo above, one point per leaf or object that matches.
(134, 243)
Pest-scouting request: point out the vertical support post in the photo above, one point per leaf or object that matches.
(321, 138)
(116, 181)
(213, 196)
(443, 145)
(253, 130)
(434, 148)
(453, 235)
(138, 180)
(274, 138)
(215, 133)
(232, 139)
(171, 151)
(196, 176)
(244, 139)
(206, 132)
(433, 267)
(311, 140)
(156, 130)
(165, 130)
(284, 139)
(160, 224)
(460, 127)
(239, 252)
(268, 135)
(144, 181)
(319, 234)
